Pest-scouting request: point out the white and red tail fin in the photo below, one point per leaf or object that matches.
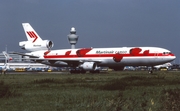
(34, 41)
(31, 33)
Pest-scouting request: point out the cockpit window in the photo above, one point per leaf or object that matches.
(165, 53)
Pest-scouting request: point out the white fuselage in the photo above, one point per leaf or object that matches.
(110, 57)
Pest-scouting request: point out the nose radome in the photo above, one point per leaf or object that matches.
(174, 57)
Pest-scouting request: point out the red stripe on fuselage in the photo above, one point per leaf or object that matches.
(107, 55)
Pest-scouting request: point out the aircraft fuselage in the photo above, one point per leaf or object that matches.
(110, 57)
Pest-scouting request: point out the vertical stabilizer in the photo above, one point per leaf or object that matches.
(31, 33)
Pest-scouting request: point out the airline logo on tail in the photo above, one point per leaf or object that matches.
(32, 35)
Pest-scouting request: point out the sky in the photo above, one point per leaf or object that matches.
(99, 23)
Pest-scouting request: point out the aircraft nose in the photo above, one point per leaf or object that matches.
(173, 57)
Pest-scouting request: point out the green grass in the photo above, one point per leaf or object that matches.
(113, 91)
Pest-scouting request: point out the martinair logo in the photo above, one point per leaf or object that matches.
(32, 35)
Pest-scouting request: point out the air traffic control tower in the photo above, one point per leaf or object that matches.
(73, 38)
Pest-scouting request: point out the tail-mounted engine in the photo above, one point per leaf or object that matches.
(42, 45)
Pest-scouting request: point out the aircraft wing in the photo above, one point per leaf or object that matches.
(31, 56)
(69, 61)
(81, 60)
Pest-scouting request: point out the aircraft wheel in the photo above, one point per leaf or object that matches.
(91, 71)
(97, 71)
(83, 71)
(72, 71)
(150, 71)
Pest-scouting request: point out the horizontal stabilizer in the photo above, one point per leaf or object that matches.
(31, 56)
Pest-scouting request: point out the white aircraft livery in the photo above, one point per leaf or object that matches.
(88, 59)
(34, 42)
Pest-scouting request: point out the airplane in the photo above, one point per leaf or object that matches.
(88, 59)
(5, 67)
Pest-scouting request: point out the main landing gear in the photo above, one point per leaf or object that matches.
(82, 71)
(95, 71)
(77, 70)
(150, 70)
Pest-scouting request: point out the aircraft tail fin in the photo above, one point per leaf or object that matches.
(31, 33)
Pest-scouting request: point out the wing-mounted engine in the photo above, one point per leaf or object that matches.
(36, 46)
(88, 66)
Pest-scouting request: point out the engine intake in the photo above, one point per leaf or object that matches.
(88, 66)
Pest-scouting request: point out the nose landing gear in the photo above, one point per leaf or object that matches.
(150, 70)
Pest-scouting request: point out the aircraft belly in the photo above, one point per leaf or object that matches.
(125, 61)
(138, 61)
(143, 61)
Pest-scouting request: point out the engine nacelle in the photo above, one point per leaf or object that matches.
(42, 45)
(88, 66)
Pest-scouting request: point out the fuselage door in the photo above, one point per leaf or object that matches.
(156, 54)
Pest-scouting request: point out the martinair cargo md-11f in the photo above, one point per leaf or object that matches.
(88, 59)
